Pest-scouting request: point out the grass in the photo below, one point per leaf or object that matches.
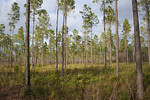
(92, 83)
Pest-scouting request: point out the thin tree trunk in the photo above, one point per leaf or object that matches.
(9, 53)
(148, 29)
(27, 55)
(43, 51)
(36, 53)
(85, 50)
(33, 37)
(117, 39)
(63, 39)
(140, 82)
(105, 58)
(11, 62)
(134, 54)
(3, 57)
(36, 58)
(84, 56)
(16, 57)
(110, 44)
(91, 47)
(127, 57)
(50, 55)
(73, 57)
(56, 36)
(126, 50)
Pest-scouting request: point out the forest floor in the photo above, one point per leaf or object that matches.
(78, 83)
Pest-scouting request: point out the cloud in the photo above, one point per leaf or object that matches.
(74, 18)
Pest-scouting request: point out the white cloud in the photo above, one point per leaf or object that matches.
(74, 19)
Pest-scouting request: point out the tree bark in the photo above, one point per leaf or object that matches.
(56, 36)
(65, 36)
(126, 51)
(73, 57)
(91, 47)
(148, 29)
(11, 49)
(43, 50)
(27, 55)
(33, 36)
(105, 59)
(110, 44)
(140, 82)
(63, 39)
(85, 50)
(11, 53)
(134, 54)
(117, 40)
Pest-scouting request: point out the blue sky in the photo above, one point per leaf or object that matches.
(74, 18)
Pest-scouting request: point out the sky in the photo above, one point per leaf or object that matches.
(74, 20)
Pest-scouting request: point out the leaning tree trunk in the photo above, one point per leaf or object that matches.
(27, 55)
(117, 39)
(148, 29)
(56, 36)
(140, 82)
(105, 59)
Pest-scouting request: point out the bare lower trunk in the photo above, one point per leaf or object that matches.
(117, 39)
(33, 37)
(126, 51)
(43, 51)
(91, 48)
(73, 57)
(105, 59)
(11, 61)
(65, 37)
(36, 53)
(127, 57)
(148, 29)
(110, 44)
(50, 55)
(134, 54)
(11, 53)
(86, 51)
(56, 37)
(27, 64)
(140, 82)
(63, 40)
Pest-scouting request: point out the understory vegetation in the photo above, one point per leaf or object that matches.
(78, 83)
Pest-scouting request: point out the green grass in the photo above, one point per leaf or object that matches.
(92, 83)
